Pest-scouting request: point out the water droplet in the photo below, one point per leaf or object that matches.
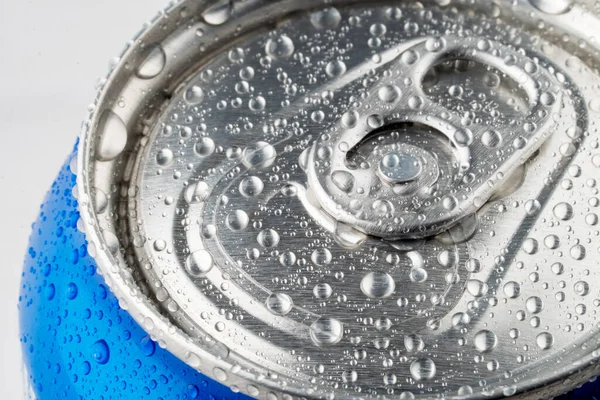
(287, 259)
(164, 157)
(553, 7)
(512, 289)
(112, 137)
(159, 245)
(519, 142)
(530, 246)
(449, 202)
(375, 121)
(279, 303)
(509, 390)
(422, 369)
(563, 211)
(322, 291)
(532, 207)
(377, 285)
(378, 30)
(350, 119)
(100, 200)
(413, 343)
(335, 68)
(491, 139)
(416, 102)
(435, 45)
(153, 63)
(448, 258)
(348, 237)
(147, 346)
(390, 379)
(456, 91)
(577, 252)
(409, 57)
(71, 291)
(199, 263)
(268, 238)
(350, 376)
(237, 220)
(547, 99)
(112, 242)
(236, 55)
(259, 155)
(220, 375)
(493, 365)
(204, 147)
(485, 341)
(491, 80)
(473, 265)
(344, 180)
(279, 47)
(477, 288)
(321, 256)
(544, 340)
(418, 275)
(247, 73)
(582, 288)
(251, 186)
(324, 152)
(463, 137)
(86, 368)
(393, 13)
(534, 304)
(50, 291)
(326, 331)
(381, 208)
(328, 18)
(257, 103)
(552, 242)
(197, 192)
(194, 95)
(218, 13)
(101, 352)
(389, 93)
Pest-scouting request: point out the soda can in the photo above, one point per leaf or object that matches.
(329, 199)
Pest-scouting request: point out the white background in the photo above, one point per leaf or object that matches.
(51, 55)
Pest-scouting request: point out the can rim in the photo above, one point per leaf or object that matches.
(118, 280)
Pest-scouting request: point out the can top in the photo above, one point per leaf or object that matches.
(356, 199)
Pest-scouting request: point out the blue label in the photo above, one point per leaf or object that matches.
(77, 343)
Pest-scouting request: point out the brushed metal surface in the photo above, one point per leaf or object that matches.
(201, 184)
(485, 154)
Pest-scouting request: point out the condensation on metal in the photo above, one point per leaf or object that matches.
(237, 211)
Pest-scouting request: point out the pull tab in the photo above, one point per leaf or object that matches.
(420, 188)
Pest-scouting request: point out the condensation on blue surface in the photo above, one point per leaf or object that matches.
(589, 391)
(77, 343)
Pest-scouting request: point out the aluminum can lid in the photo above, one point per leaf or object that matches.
(356, 199)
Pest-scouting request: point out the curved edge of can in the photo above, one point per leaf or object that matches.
(153, 322)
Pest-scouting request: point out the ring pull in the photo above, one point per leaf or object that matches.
(455, 180)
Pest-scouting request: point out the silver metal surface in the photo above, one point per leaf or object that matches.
(484, 154)
(235, 192)
(397, 168)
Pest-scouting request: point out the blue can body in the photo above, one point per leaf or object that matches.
(76, 341)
